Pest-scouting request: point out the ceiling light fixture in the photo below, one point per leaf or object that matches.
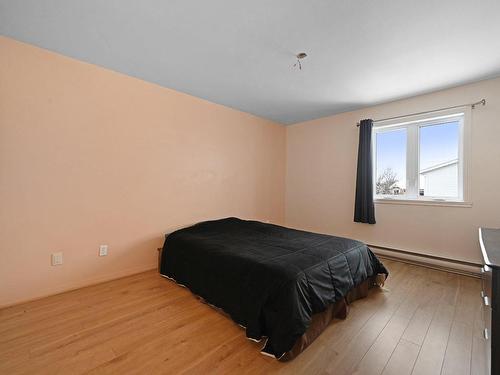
(299, 56)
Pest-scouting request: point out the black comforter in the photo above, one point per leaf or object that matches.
(268, 278)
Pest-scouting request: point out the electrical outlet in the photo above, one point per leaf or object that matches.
(103, 250)
(57, 259)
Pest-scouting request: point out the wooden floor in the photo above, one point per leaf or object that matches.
(423, 322)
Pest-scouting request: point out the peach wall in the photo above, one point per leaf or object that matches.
(89, 156)
(321, 175)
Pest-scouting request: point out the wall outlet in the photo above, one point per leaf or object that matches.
(103, 250)
(57, 259)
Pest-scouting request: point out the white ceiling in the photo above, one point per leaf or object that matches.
(240, 53)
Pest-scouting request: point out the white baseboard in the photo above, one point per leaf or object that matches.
(442, 264)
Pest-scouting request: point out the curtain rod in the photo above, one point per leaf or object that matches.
(472, 105)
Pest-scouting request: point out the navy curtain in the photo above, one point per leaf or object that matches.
(364, 210)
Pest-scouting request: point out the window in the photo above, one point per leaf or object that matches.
(421, 158)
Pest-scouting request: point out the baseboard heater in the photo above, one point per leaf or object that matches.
(431, 261)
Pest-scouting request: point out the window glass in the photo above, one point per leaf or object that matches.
(439, 163)
(390, 177)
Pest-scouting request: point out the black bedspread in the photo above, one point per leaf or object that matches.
(268, 278)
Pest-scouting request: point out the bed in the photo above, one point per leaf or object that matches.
(284, 286)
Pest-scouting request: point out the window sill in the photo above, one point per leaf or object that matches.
(417, 202)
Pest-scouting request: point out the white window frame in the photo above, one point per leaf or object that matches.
(412, 124)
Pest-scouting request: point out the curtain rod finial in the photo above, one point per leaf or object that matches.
(482, 101)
